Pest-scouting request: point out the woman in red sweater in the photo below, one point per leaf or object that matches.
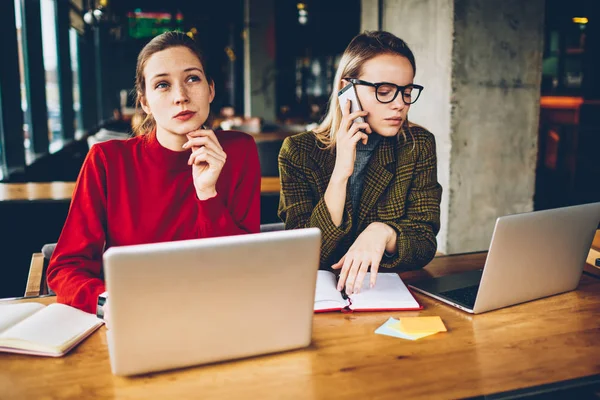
(175, 180)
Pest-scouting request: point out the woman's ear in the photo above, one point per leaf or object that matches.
(343, 84)
(211, 88)
(144, 104)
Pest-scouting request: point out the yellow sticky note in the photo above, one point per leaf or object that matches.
(418, 325)
(413, 336)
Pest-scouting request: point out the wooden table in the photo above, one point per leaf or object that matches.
(540, 342)
(64, 190)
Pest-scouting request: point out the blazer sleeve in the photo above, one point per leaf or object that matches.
(74, 271)
(418, 227)
(299, 204)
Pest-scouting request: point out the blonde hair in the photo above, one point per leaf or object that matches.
(145, 123)
(362, 48)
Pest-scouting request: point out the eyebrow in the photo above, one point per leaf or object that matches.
(185, 70)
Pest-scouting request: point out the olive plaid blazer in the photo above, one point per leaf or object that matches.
(400, 189)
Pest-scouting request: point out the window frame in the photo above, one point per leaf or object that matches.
(65, 74)
(12, 157)
(35, 75)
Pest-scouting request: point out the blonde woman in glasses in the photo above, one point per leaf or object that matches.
(370, 186)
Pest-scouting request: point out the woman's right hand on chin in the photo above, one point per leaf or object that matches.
(346, 139)
(207, 161)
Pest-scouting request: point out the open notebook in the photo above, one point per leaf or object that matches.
(389, 294)
(32, 328)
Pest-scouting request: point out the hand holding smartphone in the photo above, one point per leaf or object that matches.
(348, 92)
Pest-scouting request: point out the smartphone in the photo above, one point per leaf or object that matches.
(349, 92)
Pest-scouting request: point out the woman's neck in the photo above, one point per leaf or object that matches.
(171, 141)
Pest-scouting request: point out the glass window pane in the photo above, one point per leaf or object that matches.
(50, 64)
(76, 87)
(19, 24)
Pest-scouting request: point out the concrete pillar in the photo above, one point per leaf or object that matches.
(259, 59)
(427, 27)
(369, 15)
(480, 63)
(497, 60)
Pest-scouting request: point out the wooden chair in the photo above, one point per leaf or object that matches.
(36, 280)
(268, 151)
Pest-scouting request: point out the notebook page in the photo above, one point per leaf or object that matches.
(326, 294)
(389, 293)
(10, 314)
(52, 329)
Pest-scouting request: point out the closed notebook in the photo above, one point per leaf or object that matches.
(389, 294)
(32, 328)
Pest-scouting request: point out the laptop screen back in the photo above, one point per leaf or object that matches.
(199, 301)
(536, 254)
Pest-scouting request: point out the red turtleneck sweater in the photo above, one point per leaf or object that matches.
(136, 191)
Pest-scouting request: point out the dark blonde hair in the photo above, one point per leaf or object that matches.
(161, 42)
(362, 48)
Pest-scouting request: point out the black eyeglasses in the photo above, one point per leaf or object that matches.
(386, 92)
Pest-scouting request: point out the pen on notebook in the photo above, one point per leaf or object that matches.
(343, 291)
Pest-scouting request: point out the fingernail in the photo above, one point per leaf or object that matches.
(186, 145)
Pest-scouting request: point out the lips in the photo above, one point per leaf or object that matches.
(395, 121)
(184, 115)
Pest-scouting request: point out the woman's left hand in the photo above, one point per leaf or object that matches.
(365, 252)
(207, 161)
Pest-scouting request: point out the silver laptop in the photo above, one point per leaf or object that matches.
(191, 302)
(532, 255)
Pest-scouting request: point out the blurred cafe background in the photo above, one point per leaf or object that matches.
(512, 94)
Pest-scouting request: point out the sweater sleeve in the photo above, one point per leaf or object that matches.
(74, 271)
(299, 207)
(242, 214)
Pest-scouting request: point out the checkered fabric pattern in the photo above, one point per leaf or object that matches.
(400, 189)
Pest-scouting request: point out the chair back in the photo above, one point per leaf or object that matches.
(268, 152)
